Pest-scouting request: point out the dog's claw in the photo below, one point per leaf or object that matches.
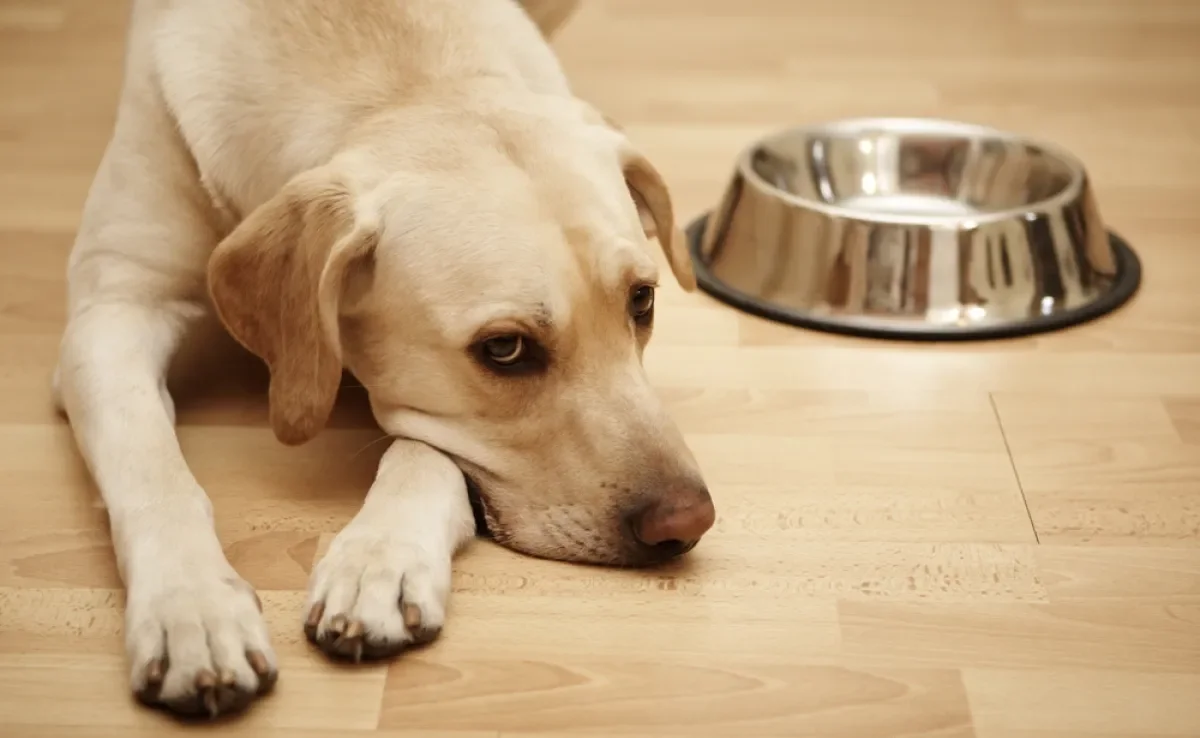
(155, 672)
(350, 641)
(259, 663)
(206, 688)
(414, 621)
(266, 675)
(412, 616)
(338, 624)
(314, 620)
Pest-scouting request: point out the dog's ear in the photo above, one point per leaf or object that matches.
(276, 283)
(549, 15)
(657, 213)
(650, 194)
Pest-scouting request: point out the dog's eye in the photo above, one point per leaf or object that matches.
(641, 303)
(504, 351)
(511, 354)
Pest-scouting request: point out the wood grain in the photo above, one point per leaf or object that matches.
(1081, 703)
(993, 540)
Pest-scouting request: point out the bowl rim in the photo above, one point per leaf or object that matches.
(917, 125)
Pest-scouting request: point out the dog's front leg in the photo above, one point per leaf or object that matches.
(384, 582)
(194, 628)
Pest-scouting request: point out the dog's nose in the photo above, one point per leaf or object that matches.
(675, 525)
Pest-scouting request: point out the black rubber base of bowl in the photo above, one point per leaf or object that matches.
(1129, 278)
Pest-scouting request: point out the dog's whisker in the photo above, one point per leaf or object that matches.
(384, 437)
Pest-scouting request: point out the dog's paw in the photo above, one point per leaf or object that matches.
(373, 594)
(199, 645)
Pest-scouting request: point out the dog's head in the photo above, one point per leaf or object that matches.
(492, 286)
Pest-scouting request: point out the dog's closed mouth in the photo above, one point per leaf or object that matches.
(478, 508)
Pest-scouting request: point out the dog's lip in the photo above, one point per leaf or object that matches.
(479, 509)
(478, 506)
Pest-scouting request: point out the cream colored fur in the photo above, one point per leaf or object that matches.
(380, 187)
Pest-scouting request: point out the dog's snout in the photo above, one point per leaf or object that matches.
(673, 526)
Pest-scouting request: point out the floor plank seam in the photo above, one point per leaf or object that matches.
(1016, 472)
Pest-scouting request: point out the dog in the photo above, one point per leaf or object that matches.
(409, 193)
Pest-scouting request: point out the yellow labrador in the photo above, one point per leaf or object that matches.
(407, 190)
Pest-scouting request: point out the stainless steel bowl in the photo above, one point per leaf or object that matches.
(917, 229)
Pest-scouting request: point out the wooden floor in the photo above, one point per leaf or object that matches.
(999, 540)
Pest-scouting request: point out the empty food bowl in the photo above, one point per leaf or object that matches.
(912, 229)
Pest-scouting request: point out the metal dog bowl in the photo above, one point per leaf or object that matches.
(912, 229)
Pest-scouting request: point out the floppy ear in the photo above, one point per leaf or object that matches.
(549, 15)
(276, 283)
(657, 213)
